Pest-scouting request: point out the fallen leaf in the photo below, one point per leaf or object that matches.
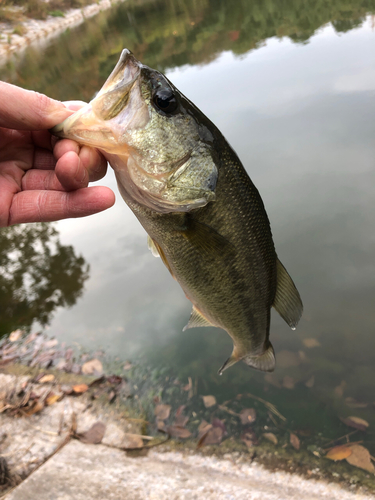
(92, 366)
(311, 343)
(286, 359)
(249, 438)
(131, 441)
(204, 427)
(80, 388)
(15, 335)
(214, 435)
(37, 407)
(162, 412)
(216, 422)
(360, 457)
(46, 379)
(288, 382)
(294, 441)
(248, 416)
(50, 343)
(160, 425)
(177, 431)
(310, 383)
(66, 389)
(114, 379)
(353, 403)
(94, 435)
(127, 366)
(339, 453)
(181, 420)
(53, 399)
(209, 401)
(271, 437)
(356, 422)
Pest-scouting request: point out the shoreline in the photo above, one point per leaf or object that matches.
(40, 32)
(138, 416)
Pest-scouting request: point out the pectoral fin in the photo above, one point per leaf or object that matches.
(152, 247)
(287, 300)
(157, 251)
(206, 240)
(196, 320)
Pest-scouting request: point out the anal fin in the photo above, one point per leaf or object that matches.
(196, 320)
(287, 301)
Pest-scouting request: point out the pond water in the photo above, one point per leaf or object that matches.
(292, 88)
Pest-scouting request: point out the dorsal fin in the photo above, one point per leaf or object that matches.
(196, 320)
(152, 247)
(287, 299)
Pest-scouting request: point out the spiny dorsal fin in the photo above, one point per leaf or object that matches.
(196, 320)
(152, 247)
(287, 300)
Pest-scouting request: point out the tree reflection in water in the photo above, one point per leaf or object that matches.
(37, 275)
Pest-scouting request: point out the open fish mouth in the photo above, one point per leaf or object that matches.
(95, 124)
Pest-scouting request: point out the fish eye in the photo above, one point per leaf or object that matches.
(165, 101)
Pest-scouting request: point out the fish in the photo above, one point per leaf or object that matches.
(202, 213)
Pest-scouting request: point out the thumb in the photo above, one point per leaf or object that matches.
(22, 109)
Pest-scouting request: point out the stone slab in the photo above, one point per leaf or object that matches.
(96, 472)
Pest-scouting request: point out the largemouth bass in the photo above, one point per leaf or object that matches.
(203, 215)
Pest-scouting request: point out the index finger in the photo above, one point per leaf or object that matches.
(22, 109)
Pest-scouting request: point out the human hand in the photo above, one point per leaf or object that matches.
(42, 179)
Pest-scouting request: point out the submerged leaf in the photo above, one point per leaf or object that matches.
(288, 382)
(214, 435)
(248, 416)
(162, 412)
(286, 359)
(310, 383)
(209, 401)
(94, 435)
(311, 343)
(356, 422)
(353, 403)
(180, 432)
(339, 453)
(294, 441)
(271, 437)
(360, 457)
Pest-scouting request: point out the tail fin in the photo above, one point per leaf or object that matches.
(266, 362)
